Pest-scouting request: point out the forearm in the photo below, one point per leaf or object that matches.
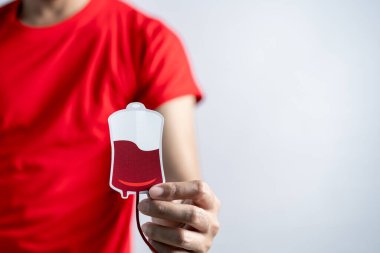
(184, 214)
(180, 156)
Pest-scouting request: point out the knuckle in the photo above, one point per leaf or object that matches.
(192, 216)
(202, 188)
(198, 217)
(214, 228)
(183, 239)
(207, 246)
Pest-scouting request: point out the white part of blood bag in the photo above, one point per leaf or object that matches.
(136, 145)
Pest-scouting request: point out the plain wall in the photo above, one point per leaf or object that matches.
(288, 131)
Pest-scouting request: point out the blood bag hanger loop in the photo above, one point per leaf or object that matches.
(135, 106)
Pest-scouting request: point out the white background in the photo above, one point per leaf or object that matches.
(289, 129)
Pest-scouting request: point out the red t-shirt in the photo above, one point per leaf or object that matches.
(58, 85)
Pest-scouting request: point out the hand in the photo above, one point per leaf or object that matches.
(184, 217)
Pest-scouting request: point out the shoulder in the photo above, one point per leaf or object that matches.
(7, 9)
(145, 24)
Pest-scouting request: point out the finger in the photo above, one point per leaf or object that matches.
(166, 223)
(164, 248)
(182, 213)
(176, 237)
(197, 190)
(169, 223)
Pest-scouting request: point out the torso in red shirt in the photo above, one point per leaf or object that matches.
(58, 85)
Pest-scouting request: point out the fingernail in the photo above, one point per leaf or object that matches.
(156, 191)
(143, 206)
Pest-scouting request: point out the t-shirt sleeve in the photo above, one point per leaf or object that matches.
(165, 71)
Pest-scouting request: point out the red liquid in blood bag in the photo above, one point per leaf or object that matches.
(135, 169)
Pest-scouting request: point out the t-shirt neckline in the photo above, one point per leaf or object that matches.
(80, 17)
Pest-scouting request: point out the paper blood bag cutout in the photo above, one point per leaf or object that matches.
(136, 140)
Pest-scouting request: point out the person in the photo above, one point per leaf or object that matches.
(65, 66)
